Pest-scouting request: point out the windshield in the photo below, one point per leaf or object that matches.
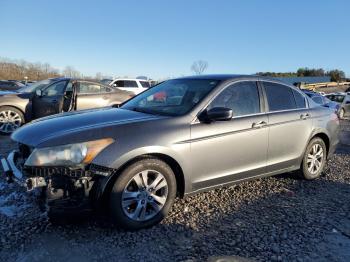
(336, 98)
(37, 85)
(174, 97)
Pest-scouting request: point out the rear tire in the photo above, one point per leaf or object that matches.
(142, 194)
(10, 120)
(314, 159)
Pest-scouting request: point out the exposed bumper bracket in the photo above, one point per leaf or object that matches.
(11, 172)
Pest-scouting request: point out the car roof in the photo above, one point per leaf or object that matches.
(132, 79)
(77, 79)
(221, 77)
(225, 77)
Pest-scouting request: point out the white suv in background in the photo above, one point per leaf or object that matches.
(133, 85)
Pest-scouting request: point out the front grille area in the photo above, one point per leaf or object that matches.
(50, 171)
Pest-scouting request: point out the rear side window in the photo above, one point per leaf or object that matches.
(242, 98)
(299, 99)
(145, 84)
(89, 88)
(130, 83)
(279, 97)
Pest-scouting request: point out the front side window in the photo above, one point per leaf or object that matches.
(119, 83)
(279, 97)
(55, 89)
(174, 97)
(242, 98)
(89, 88)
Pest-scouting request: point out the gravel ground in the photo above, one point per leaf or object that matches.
(279, 218)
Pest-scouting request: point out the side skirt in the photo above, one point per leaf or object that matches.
(237, 181)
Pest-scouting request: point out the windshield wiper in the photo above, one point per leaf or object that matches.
(142, 110)
(148, 111)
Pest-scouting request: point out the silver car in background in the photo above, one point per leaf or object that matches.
(177, 138)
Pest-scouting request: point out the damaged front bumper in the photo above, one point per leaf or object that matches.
(11, 172)
(62, 187)
(14, 174)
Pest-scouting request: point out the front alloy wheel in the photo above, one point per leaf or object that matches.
(145, 195)
(142, 194)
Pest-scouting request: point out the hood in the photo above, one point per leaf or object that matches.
(53, 127)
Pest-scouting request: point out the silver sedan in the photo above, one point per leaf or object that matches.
(177, 138)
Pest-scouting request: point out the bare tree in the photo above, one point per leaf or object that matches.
(69, 71)
(98, 76)
(198, 67)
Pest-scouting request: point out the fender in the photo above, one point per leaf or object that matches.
(103, 185)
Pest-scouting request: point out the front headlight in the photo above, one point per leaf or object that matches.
(71, 155)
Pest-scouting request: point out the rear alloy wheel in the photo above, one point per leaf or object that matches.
(314, 159)
(143, 194)
(10, 120)
(341, 113)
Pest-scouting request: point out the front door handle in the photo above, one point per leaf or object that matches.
(304, 116)
(259, 124)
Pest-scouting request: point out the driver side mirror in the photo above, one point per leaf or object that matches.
(39, 92)
(218, 114)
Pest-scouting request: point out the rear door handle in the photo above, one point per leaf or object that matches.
(304, 116)
(54, 101)
(259, 124)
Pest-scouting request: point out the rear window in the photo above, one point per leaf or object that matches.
(145, 84)
(279, 97)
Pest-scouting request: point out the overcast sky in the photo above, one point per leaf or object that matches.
(162, 38)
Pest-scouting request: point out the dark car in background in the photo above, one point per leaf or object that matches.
(343, 100)
(53, 96)
(322, 100)
(10, 85)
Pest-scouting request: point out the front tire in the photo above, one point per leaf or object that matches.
(10, 120)
(314, 159)
(142, 194)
